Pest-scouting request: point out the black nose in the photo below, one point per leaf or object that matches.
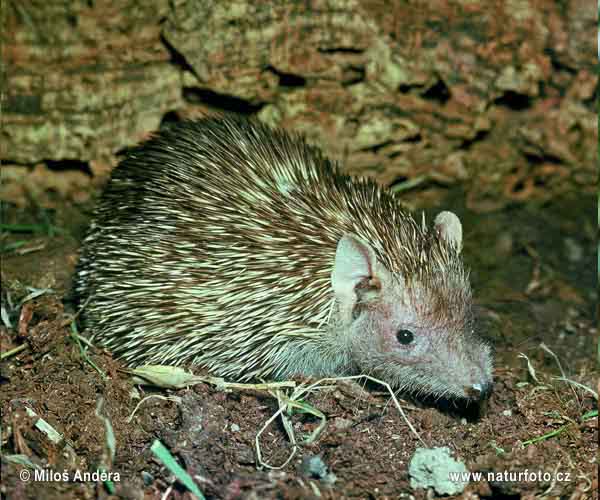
(479, 391)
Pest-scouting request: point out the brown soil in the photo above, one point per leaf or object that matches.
(538, 291)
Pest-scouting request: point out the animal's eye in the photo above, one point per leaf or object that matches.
(405, 336)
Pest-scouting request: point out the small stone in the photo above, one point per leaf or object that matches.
(147, 478)
(313, 466)
(434, 468)
(342, 423)
(574, 250)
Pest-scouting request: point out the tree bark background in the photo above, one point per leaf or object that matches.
(497, 95)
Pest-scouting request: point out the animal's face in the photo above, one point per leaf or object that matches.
(415, 332)
(398, 335)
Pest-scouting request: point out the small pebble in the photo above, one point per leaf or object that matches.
(574, 250)
(147, 478)
(433, 468)
(313, 466)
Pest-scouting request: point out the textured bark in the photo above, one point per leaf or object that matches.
(82, 79)
(498, 94)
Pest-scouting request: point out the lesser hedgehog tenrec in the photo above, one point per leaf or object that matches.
(227, 244)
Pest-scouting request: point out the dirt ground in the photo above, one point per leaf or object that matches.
(534, 279)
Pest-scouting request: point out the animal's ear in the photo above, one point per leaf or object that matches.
(447, 226)
(354, 272)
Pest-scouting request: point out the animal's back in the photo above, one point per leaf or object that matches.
(219, 236)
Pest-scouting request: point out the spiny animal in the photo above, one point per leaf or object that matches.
(227, 244)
